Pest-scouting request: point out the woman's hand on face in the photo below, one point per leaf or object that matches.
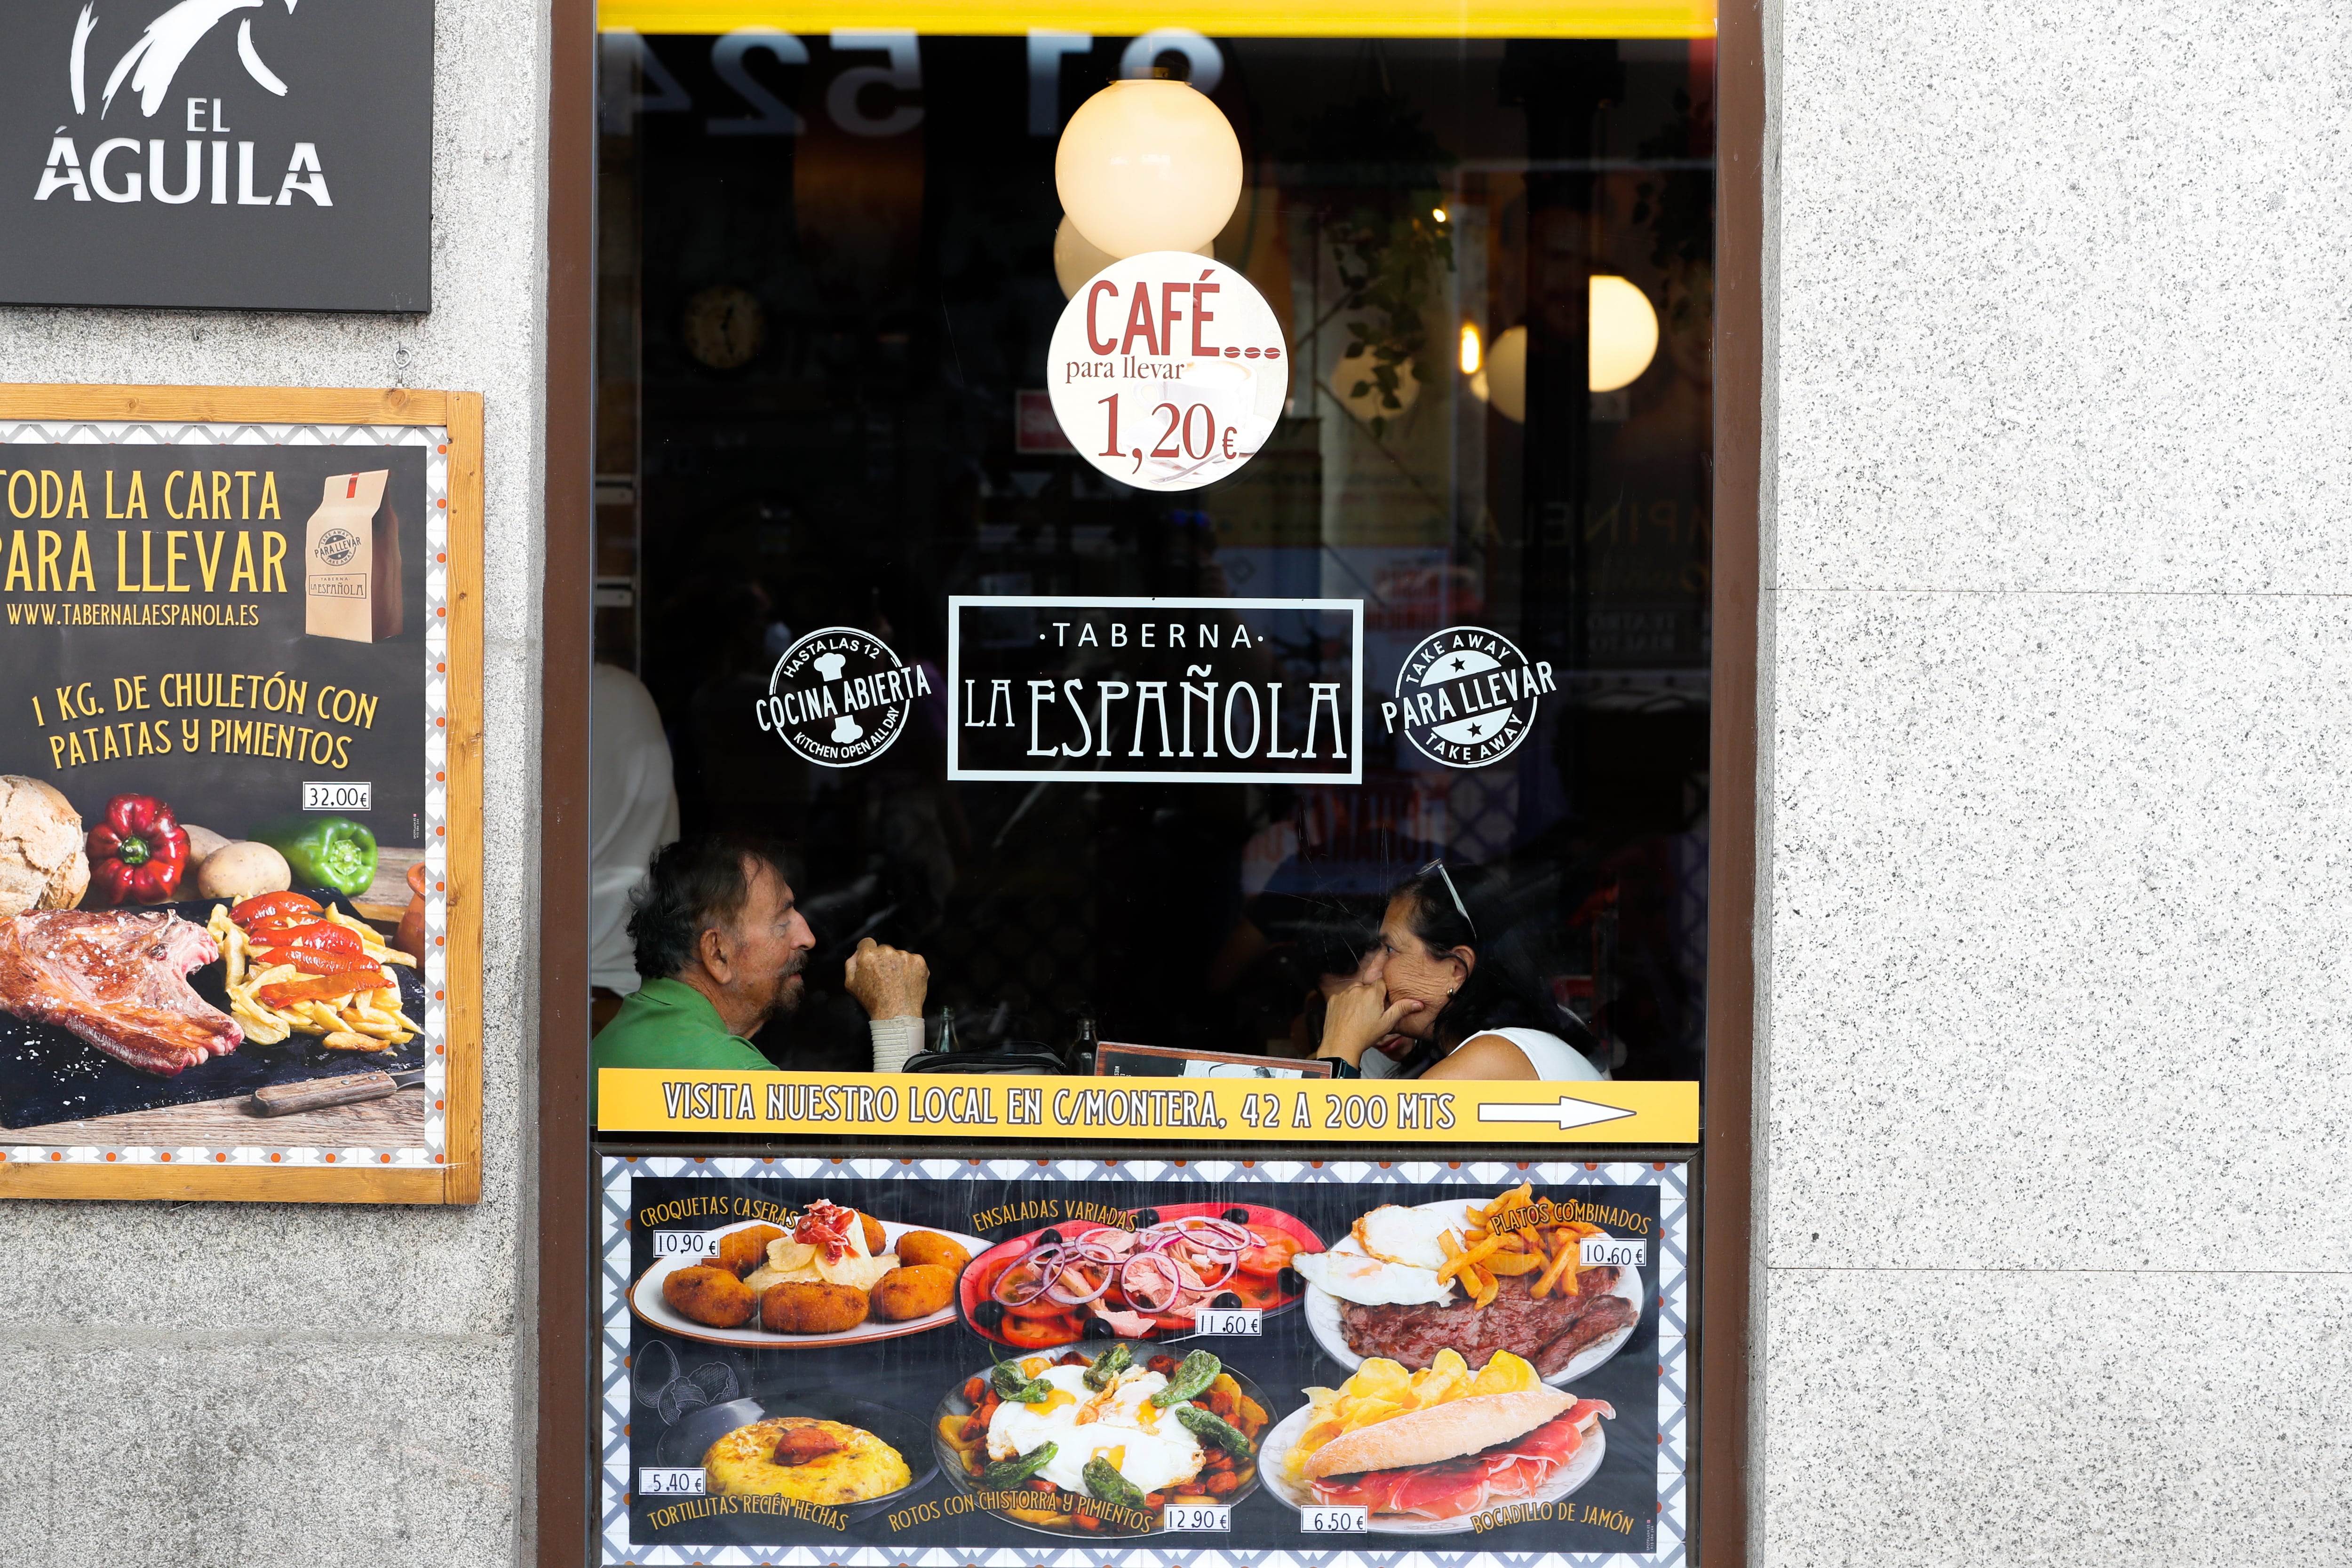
(1358, 1015)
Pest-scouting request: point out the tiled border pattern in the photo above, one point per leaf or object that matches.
(434, 440)
(1673, 1329)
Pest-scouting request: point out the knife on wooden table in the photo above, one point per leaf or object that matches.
(316, 1094)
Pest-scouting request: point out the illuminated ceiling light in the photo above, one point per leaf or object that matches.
(1506, 375)
(1624, 333)
(1437, 213)
(1149, 165)
(1472, 355)
(1077, 258)
(1624, 340)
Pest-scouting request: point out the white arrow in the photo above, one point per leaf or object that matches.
(1569, 1112)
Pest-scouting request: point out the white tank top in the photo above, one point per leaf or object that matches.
(1552, 1057)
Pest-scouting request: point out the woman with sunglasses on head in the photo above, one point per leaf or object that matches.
(1474, 1016)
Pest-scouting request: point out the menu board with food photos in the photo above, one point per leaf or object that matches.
(962, 1361)
(238, 792)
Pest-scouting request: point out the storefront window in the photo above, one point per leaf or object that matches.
(832, 264)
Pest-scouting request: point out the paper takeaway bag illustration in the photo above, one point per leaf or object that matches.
(351, 561)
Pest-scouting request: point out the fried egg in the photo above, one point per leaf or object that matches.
(1407, 1234)
(1351, 1273)
(1145, 1443)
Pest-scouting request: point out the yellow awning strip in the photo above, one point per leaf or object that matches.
(1217, 18)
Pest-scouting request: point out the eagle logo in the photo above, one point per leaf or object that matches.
(152, 62)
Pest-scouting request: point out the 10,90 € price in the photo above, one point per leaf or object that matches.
(684, 1244)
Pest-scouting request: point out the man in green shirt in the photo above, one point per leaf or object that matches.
(721, 946)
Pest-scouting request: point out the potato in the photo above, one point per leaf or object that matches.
(745, 1250)
(916, 1292)
(916, 1248)
(203, 842)
(795, 1308)
(877, 1243)
(712, 1296)
(243, 870)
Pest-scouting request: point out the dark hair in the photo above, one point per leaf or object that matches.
(692, 885)
(1499, 993)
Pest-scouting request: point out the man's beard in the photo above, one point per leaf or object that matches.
(790, 989)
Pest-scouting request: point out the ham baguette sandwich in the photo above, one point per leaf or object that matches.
(1453, 1459)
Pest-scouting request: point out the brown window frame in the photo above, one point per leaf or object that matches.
(557, 1520)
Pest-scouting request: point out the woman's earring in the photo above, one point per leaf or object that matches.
(1451, 990)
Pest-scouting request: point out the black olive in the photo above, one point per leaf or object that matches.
(1048, 1238)
(1097, 1329)
(1144, 1216)
(1226, 1298)
(988, 1314)
(1238, 1216)
(1291, 1282)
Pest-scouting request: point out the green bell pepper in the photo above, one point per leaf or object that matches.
(323, 851)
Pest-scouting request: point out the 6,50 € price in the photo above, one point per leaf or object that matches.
(1333, 1520)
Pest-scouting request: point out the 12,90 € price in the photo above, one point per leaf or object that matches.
(1198, 1517)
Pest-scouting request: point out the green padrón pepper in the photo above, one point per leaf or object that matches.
(1191, 1380)
(323, 851)
(1011, 1472)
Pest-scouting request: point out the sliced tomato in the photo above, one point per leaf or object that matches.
(1270, 1255)
(320, 987)
(1038, 1333)
(1253, 1291)
(272, 903)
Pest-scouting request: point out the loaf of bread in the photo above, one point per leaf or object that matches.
(42, 865)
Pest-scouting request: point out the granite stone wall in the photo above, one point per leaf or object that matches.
(2056, 812)
(221, 1385)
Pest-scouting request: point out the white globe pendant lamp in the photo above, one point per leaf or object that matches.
(1077, 259)
(1147, 165)
(1623, 340)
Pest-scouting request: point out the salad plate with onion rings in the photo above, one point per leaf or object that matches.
(1083, 1279)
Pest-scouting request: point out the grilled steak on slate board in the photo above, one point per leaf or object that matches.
(48, 1074)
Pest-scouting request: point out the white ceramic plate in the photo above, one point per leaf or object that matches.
(1323, 1316)
(646, 1302)
(1273, 1469)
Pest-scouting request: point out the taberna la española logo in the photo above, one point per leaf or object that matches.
(132, 169)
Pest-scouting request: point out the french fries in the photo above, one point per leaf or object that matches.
(370, 1021)
(1549, 1252)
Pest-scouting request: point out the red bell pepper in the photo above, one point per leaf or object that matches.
(270, 903)
(308, 961)
(313, 937)
(137, 853)
(321, 989)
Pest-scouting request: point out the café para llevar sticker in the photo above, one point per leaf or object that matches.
(1466, 696)
(1168, 370)
(839, 696)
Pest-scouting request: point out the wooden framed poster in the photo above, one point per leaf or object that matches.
(240, 794)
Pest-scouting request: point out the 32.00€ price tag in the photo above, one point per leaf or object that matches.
(669, 1482)
(684, 1244)
(1611, 1252)
(1198, 1517)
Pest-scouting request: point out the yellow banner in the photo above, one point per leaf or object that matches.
(1220, 18)
(1259, 1110)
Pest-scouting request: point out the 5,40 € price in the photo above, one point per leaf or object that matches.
(669, 1482)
